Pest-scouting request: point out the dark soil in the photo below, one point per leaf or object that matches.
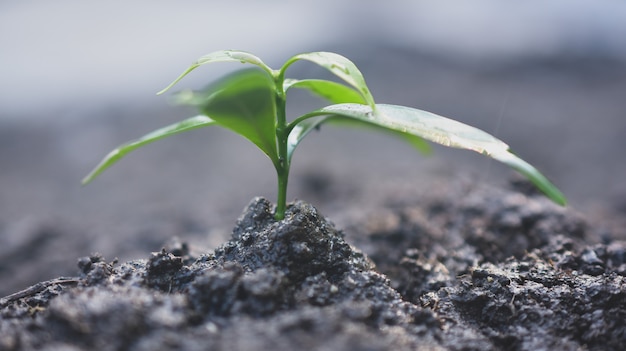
(467, 269)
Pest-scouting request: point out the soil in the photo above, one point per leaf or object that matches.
(467, 268)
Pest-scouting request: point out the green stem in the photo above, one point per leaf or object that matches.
(282, 132)
(281, 203)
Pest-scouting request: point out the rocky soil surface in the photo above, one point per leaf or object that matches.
(464, 269)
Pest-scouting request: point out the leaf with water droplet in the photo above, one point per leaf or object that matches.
(443, 131)
(339, 66)
(338, 93)
(222, 56)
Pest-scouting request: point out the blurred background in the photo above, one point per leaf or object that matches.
(79, 78)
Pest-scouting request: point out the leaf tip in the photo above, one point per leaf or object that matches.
(86, 180)
(559, 199)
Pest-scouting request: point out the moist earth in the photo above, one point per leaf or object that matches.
(489, 269)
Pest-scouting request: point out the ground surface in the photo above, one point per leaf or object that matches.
(495, 271)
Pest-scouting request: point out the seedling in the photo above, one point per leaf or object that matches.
(251, 102)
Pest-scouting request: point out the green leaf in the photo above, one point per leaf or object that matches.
(304, 127)
(222, 56)
(243, 102)
(121, 151)
(334, 92)
(533, 174)
(337, 93)
(339, 66)
(300, 130)
(443, 131)
(417, 142)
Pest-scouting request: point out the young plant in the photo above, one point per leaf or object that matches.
(251, 102)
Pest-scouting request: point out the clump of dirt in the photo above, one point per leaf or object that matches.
(507, 272)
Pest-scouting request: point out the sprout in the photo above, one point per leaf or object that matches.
(251, 102)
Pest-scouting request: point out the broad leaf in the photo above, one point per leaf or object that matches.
(222, 56)
(121, 151)
(339, 66)
(417, 142)
(443, 131)
(243, 102)
(337, 94)
(302, 129)
(334, 92)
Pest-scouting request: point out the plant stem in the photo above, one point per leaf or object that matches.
(281, 203)
(282, 132)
